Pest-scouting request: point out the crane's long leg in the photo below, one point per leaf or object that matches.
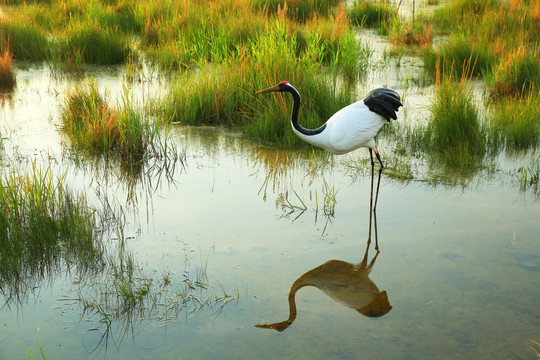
(380, 172)
(371, 193)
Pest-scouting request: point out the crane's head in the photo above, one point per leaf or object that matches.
(282, 86)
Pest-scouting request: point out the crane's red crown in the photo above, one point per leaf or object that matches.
(283, 83)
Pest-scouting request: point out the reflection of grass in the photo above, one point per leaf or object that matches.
(529, 177)
(43, 227)
(125, 296)
(534, 346)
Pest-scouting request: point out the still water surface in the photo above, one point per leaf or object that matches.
(460, 266)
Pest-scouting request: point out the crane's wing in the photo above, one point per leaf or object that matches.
(353, 127)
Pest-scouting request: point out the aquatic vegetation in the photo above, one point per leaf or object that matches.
(224, 95)
(91, 43)
(518, 73)
(126, 296)
(371, 14)
(513, 122)
(454, 128)
(297, 10)
(495, 35)
(453, 136)
(23, 39)
(401, 32)
(7, 74)
(529, 177)
(458, 53)
(96, 127)
(40, 350)
(44, 228)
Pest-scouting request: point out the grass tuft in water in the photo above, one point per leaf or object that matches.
(371, 14)
(97, 128)
(454, 129)
(513, 122)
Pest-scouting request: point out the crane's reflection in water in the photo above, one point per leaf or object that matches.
(346, 283)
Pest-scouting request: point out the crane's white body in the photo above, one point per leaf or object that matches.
(350, 128)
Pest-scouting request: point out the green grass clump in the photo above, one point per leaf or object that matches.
(91, 43)
(454, 128)
(370, 14)
(97, 128)
(24, 40)
(518, 73)
(457, 54)
(514, 122)
(501, 37)
(43, 226)
(297, 9)
(453, 137)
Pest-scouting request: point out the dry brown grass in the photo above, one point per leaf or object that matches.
(7, 74)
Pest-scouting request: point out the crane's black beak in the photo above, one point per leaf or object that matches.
(270, 89)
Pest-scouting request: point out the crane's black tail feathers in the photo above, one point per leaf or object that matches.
(384, 102)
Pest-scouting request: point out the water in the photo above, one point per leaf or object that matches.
(460, 264)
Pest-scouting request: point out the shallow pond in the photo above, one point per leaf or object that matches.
(460, 266)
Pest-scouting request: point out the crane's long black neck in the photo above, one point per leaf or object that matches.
(294, 116)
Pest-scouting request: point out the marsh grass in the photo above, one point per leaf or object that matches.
(90, 43)
(97, 128)
(371, 14)
(513, 122)
(225, 95)
(454, 128)
(406, 33)
(44, 228)
(24, 40)
(518, 73)
(297, 10)
(453, 137)
(502, 37)
(457, 53)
